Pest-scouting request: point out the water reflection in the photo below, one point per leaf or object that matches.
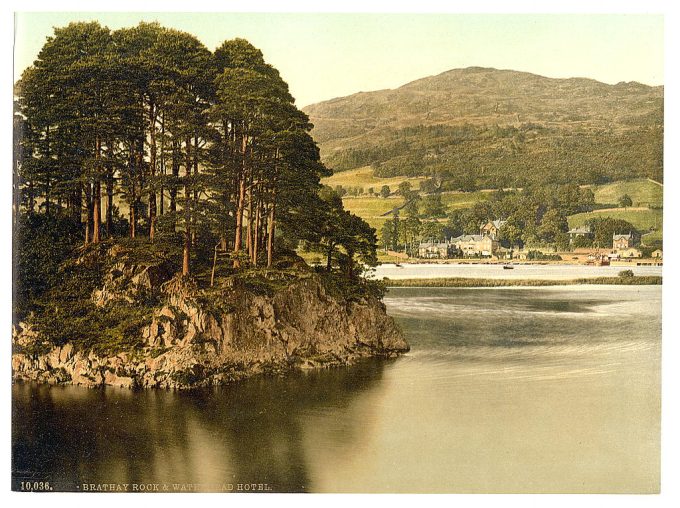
(246, 433)
(504, 390)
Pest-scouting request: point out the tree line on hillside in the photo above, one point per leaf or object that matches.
(206, 150)
(470, 157)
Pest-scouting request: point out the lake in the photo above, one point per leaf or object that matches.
(551, 389)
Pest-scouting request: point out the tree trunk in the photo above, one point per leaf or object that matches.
(109, 191)
(109, 203)
(195, 189)
(329, 259)
(88, 212)
(97, 194)
(133, 193)
(77, 204)
(133, 215)
(48, 156)
(97, 211)
(31, 197)
(175, 175)
(350, 263)
(249, 224)
(162, 162)
(272, 231)
(239, 221)
(256, 233)
(152, 171)
(212, 274)
(186, 254)
(47, 196)
(241, 203)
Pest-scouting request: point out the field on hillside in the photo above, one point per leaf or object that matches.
(456, 200)
(363, 177)
(643, 220)
(370, 206)
(643, 192)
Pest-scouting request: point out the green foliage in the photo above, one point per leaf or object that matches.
(535, 255)
(41, 244)
(432, 230)
(66, 312)
(432, 206)
(108, 330)
(357, 290)
(135, 116)
(604, 229)
(626, 273)
(625, 201)
(581, 242)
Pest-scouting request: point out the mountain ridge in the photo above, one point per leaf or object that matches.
(475, 104)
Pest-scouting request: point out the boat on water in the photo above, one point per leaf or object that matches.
(508, 267)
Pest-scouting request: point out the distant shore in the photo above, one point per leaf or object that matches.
(470, 282)
(462, 261)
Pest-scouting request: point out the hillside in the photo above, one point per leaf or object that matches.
(485, 128)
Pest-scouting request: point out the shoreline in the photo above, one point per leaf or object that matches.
(472, 282)
(617, 264)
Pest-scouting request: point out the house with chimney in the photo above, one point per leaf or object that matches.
(492, 228)
(475, 245)
(580, 232)
(435, 249)
(485, 244)
(621, 242)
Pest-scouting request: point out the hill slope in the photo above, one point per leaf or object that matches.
(479, 127)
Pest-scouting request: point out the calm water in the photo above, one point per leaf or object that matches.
(487, 271)
(505, 390)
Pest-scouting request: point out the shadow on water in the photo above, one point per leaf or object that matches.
(250, 432)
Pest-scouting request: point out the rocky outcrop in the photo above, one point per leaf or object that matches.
(200, 338)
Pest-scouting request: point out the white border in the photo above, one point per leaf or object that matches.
(671, 383)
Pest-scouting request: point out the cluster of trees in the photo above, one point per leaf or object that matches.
(535, 216)
(420, 220)
(603, 229)
(357, 190)
(198, 147)
(404, 235)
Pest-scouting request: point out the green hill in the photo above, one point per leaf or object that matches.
(485, 128)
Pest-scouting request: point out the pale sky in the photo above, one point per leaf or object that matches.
(324, 55)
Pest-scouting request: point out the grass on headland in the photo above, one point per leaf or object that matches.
(469, 282)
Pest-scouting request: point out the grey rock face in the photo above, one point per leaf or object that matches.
(191, 344)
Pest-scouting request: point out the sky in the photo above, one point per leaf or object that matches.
(327, 55)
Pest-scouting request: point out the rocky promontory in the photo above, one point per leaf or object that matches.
(196, 337)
